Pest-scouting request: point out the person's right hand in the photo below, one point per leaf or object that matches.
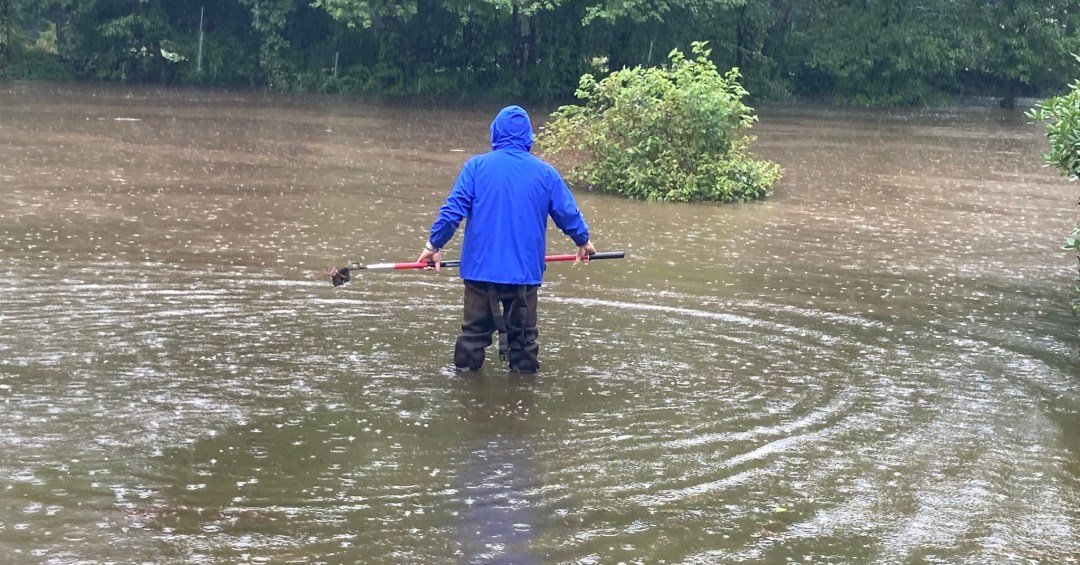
(583, 252)
(431, 255)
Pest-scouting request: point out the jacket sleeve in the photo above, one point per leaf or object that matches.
(563, 209)
(457, 207)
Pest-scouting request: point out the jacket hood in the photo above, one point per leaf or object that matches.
(512, 128)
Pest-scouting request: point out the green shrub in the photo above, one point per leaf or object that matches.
(675, 133)
(1062, 117)
(1072, 243)
(35, 64)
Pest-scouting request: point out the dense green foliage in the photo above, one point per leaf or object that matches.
(856, 51)
(1062, 117)
(674, 133)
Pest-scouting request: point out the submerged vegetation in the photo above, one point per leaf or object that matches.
(1062, 117)
(854, 51)
(677, 133)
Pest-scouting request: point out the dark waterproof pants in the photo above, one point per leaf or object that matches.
(481, 318)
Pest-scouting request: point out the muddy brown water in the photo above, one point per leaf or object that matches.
(876, 364)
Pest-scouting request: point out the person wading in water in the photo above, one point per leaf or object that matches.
(507, 195)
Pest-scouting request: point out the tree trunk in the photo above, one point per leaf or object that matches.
(523, 53)
(1009, 101)
(518, 39)
(744, 36)
(59, 19)
(161, 65)
(5, 33)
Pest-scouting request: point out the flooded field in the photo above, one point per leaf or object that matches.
(877, 364)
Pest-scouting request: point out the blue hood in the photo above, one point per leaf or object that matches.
(512, 129)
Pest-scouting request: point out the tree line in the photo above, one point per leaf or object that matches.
(880, 52)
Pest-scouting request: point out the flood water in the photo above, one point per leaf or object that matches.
(877, 364)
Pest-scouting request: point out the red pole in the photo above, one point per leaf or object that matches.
(457, 263)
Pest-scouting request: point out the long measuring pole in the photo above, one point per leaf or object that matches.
(457, 262)
(343, 275)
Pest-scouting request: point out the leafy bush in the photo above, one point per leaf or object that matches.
(1062, 117)
(1072, 243)
(34, 64)
(675, 133)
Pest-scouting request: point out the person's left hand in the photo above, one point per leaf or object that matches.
(429, 255)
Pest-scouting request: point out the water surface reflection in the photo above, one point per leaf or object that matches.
(498, 469)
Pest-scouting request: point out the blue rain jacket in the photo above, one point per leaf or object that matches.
(507, 195)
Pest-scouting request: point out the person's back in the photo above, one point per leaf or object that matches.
(507, 195)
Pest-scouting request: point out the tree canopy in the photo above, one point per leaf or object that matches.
(852, 51)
